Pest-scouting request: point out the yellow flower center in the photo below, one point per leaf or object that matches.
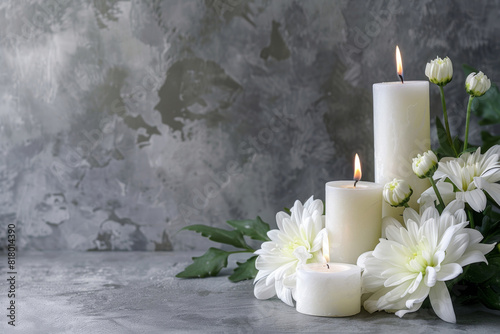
(468, 173)
(417, 262)
(293, 244)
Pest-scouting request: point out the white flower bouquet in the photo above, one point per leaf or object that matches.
(448, 246)
(443, 254)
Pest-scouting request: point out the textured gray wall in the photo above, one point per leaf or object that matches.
(121, 122)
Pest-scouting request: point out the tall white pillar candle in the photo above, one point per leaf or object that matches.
(332, 290)
(353, 218)
(401, 131)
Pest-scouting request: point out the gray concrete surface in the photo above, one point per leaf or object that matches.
(136, 292)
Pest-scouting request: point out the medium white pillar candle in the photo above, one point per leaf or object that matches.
(401, 131)
(353, 218)
(328, 291)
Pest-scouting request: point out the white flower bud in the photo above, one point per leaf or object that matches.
(424, 165)
(477, 84)
(439, 71)
(397, 193)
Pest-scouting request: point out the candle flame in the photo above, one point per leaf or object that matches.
(357, 168)
(326, 249)
(399, 63)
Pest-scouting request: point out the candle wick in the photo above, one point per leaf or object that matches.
(327, 266)
(355, 181)
(401, 77)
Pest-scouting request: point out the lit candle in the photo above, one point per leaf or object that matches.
(353, 216)
(328, 289)
(401, 131)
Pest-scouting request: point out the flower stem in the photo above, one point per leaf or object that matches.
(471, 217)
(467, 122)
(440, 206)
(446, 124)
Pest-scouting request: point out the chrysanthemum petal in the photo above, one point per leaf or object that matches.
(283, 293)
(317, 243)
(495, 149)
(449, 271)
(295, 241)
(412, 261)
(441, 302)
(493, 189)
(280, 216)
(429, 196)
(262, 274)
(457, 248)
(416, 307)
(430, 276)
(475, 198)
(302, 254)
(389, 221)
(309, 202)
(362, 258)
(263, 291)
(474, 235)
(454, 206)
(429, 213)
(392, 233)
(410, 214)
(371, 304)
(290, 281)
(492, 174)
(448, 236)
(316, 205)
(399, 278)
(483, 248)
(471, 257)
(290, 229)
(416, 283)
(418, 296)
(297, 211)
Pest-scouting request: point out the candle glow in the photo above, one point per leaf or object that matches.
(357, 168)
(326, 249)
(399, 63)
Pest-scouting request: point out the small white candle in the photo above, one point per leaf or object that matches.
(328, 290)
(353, 217)
(401, 131)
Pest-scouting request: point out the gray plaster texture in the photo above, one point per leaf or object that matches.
(123, 121)
(137, 292)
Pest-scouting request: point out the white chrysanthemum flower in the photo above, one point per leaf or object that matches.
(397, 192)
(477, 84)
(472, 174)
(416, 261)
(298, 240)
(439, 71)
(424, 165)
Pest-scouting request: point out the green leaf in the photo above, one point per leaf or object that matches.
(444, 150)
(287, 211)
(468, 69)
(489, 291)
(245, 270)
(486, 107)
(233, 238)
(256, 229)
(490, 295)
(490, 225)
(479, 273)
(488, 141)
(209, 264)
